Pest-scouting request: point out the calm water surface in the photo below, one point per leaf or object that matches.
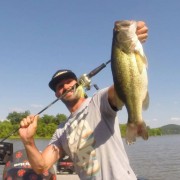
(155, 159)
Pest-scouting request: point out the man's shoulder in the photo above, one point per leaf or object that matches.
(101, 93)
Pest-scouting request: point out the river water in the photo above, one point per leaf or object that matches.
(155, 159)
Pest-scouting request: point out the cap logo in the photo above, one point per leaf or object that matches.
(60, 73)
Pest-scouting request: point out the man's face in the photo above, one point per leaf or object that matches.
(64, 86)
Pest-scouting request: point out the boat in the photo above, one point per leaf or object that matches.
(17, 166)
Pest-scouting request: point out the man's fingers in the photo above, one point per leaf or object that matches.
(35, 119)
(142, 31)
(140, 24)
(29, 120)
(143, 37)
(25, 122)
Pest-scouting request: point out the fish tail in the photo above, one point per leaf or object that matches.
(134, 130)
(142, 130)
(80, 91)
(131, 133)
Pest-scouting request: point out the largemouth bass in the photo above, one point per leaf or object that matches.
(129, 69)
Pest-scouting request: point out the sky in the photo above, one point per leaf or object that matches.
(38, 37)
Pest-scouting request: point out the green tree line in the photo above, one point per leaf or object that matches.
(47, 125)
(151, 132)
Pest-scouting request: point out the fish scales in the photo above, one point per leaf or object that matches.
(129, 69)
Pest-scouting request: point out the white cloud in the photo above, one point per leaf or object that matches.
(175, 118)
(155, 119)
(16, 109)
(36, 105)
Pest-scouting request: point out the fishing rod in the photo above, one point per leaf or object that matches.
(84, 80)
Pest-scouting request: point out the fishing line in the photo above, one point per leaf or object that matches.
(84, 80)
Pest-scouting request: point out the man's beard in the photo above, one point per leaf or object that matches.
(72, 100)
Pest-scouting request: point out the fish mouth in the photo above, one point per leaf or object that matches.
(118, 25)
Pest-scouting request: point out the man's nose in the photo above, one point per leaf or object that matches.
(66, 86)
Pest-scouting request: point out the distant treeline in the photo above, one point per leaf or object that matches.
(47, 125)
(151, 132)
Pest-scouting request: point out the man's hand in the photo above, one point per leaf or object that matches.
(142, 31)
(28, 128)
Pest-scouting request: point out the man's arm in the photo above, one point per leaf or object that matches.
(40, 161)
(114, 102)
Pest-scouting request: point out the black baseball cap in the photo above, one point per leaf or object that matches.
(60, 75)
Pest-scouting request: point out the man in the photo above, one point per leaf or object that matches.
(90, 136)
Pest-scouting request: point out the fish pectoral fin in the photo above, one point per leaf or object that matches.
(141, 60)
(145, 104)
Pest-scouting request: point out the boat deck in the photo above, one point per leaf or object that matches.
(67, 177)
